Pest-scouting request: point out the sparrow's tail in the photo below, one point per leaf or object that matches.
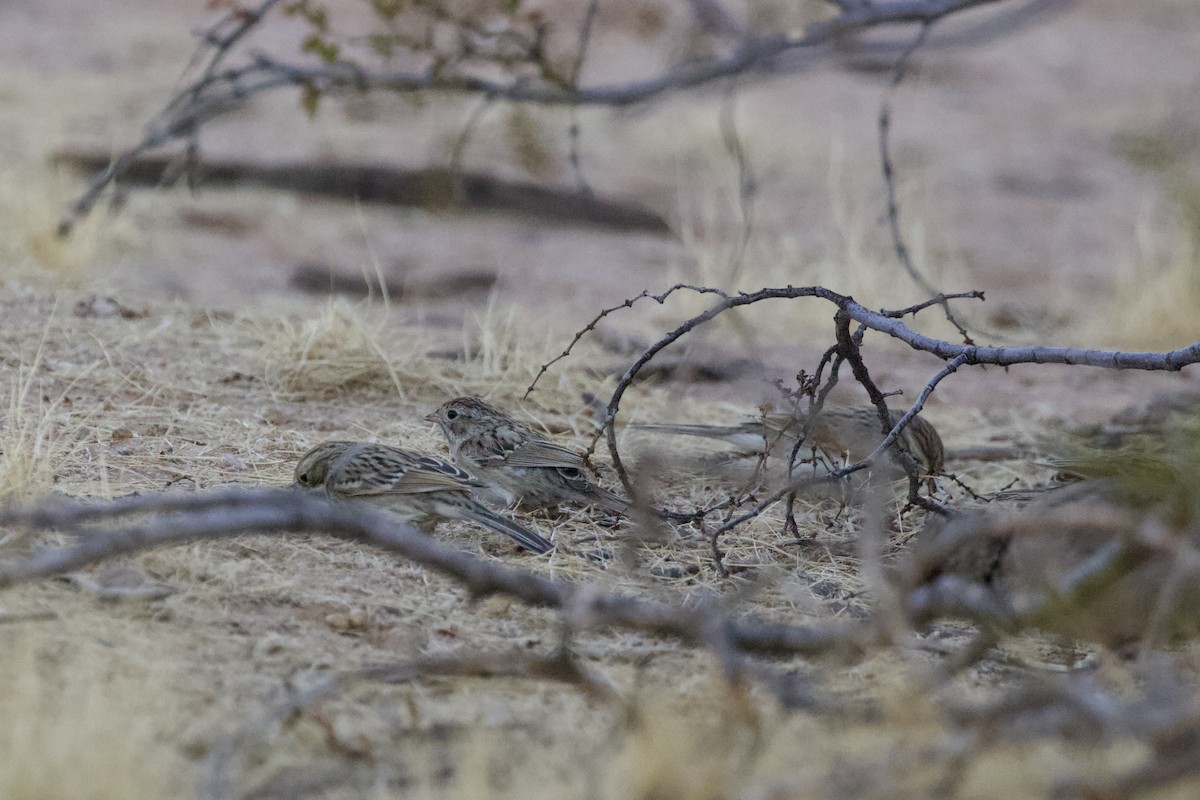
(708, 431)
(518, 533)
(613, 502)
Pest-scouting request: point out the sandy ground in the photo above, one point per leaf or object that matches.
(1052, 167)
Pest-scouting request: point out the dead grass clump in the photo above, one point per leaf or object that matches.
(33, 441)
(351, 347)
(31, 207)
(501, 355)
(1155, 298)
(334, 350)
(674, 755)
(76, 727)
(856, 257)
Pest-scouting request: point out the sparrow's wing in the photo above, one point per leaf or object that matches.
(383, 470)
(541, 453)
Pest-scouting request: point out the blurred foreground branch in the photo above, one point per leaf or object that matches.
(220, 514)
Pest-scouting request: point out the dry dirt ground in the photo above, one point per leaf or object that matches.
(1056, 167)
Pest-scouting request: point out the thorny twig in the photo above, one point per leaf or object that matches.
(936, 300)
(591, 326)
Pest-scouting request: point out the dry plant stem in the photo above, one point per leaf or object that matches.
(585, 38)
(889, 180)
(889, 173)
(216, 93)
(591, 326)
(265, 511)
(848, 349)
(747, 185)
(936, 300)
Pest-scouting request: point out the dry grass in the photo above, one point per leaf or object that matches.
(31, 206)
(38, 435)
(81, 723)
(1156, 295)
(856, 257)
(334, 351)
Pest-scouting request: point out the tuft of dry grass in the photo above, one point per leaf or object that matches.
(35, 439)
(856, 257)
(77, 725)
(32, 203)
(334, 350)
(345, 348)
(1156, 295)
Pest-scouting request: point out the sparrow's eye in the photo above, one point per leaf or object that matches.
(452, 414)
(302, 477)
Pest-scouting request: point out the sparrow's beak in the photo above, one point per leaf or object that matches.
(432, 416)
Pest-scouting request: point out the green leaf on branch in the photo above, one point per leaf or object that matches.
(315, 15)
(387, 9)
(324, 49)
(310, 97)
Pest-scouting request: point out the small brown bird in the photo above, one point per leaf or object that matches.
(850, 432)
(516, 459)
(420, 489)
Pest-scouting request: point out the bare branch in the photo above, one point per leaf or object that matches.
(276, 511)
(961, 354)
(217, 92)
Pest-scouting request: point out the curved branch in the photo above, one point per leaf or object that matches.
(960, 354)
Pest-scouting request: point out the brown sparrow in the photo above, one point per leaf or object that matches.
(517, 460)
(850, 432)
(420, 489)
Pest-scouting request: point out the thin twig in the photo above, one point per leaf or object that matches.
(585, 38)
(889, 180)
(747, 185)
